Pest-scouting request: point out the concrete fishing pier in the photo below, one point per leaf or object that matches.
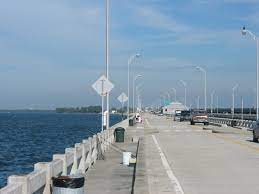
(172, 157)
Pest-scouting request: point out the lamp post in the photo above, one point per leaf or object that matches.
(233, 100)
(211, 101)
(138, 93)
(255, 38)
(205, 85)
(217, 104)
(198, 102)
(130, 60)
(242, 108)
(173, 89)
(107, 62)
(168, 97)
(134, 80)
(185, 90)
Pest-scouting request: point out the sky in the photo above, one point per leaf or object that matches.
(52, 51)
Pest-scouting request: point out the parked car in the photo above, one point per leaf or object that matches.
(256, 131)
(199, 116)
(185, 115)
(177, 115)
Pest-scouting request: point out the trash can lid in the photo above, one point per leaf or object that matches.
(72, 182)
(119, 129)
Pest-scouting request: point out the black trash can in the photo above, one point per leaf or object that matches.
(119, 134)
(233, 123)
(131, 122)
(73, 184)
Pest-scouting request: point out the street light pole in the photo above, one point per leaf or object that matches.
(174, 93)
(217, 104)
(211, 101)
(233, 100)
(244, 32)
(130, 60)
(134, 80)
(205, 85)
(107, 63)
(185, 91)
(198, 102)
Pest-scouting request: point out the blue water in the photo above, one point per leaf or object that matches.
(28, 138)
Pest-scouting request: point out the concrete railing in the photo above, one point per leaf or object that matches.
(232, 122)
(75, 160)
(251, 117)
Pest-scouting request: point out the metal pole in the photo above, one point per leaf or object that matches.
(211, 99)
(102, 111)
(217, 104)
(103, 104)
(233, 103)
(257, 79)
(185, 91)
(198, 102)
(174, 93)
(107, 62)
(205, 91)
(128, 90)
(133, 96)
(242, 104)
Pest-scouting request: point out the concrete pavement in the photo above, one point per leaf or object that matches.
(178, 158)
(201, 162)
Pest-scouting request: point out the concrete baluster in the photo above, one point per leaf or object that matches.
(47, 166)
(24, 180)
(89, 155)
(85, 152)
(94, 153)
(62, 157)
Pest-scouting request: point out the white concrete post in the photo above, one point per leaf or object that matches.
(82, 165)
(47, 166)
(94, 153)
(62, 157)
(79, 154)
(89, 155)
(24, 180)
(74, 151)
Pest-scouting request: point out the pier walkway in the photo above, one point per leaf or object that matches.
(172, 157)
(180, 158)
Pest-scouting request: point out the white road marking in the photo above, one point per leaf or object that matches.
(148, 124)
(177, 187)
(140, 127)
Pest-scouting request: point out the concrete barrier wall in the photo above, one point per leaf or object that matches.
(239, 123)
(78, 159)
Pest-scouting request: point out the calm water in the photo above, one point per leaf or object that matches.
(28, 138)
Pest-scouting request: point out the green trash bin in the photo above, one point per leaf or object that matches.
(119, 134)
(131, 122)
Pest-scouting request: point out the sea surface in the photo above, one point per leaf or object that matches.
(30, 137)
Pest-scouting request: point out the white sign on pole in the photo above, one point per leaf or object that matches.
(102, 86)
(123, 98)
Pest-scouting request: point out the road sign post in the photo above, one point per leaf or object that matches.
(122, 98)
(103, 86)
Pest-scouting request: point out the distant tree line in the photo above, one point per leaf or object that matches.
(89, 109)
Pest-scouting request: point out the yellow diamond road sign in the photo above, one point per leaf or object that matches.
(103, 86)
